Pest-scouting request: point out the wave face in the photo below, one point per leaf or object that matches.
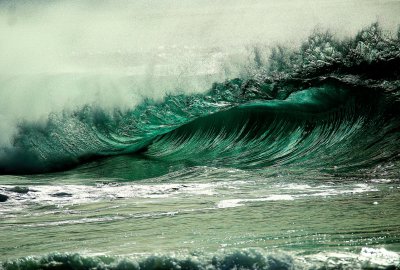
(331, 105)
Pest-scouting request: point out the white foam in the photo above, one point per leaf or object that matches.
(77, 194)
(379, 256)
(368, 258)
(241, 202)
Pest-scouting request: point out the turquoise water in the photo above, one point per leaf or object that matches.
(295, 167)
(196, 214)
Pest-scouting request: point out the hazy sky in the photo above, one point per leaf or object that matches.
(44, 34)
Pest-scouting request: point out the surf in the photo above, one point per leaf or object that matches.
(330, 95)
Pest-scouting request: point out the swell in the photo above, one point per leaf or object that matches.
(330, 104)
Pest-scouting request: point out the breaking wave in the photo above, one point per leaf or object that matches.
(239, 259)
(330, 105)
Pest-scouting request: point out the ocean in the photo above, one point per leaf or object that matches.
(277, 156)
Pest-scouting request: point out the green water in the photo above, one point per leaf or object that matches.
(202, 210)
(292, 166)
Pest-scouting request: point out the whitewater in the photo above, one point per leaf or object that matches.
(199, 135)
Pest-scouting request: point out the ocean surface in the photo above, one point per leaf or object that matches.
(293, 164)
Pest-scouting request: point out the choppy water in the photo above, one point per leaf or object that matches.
(294, 167)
